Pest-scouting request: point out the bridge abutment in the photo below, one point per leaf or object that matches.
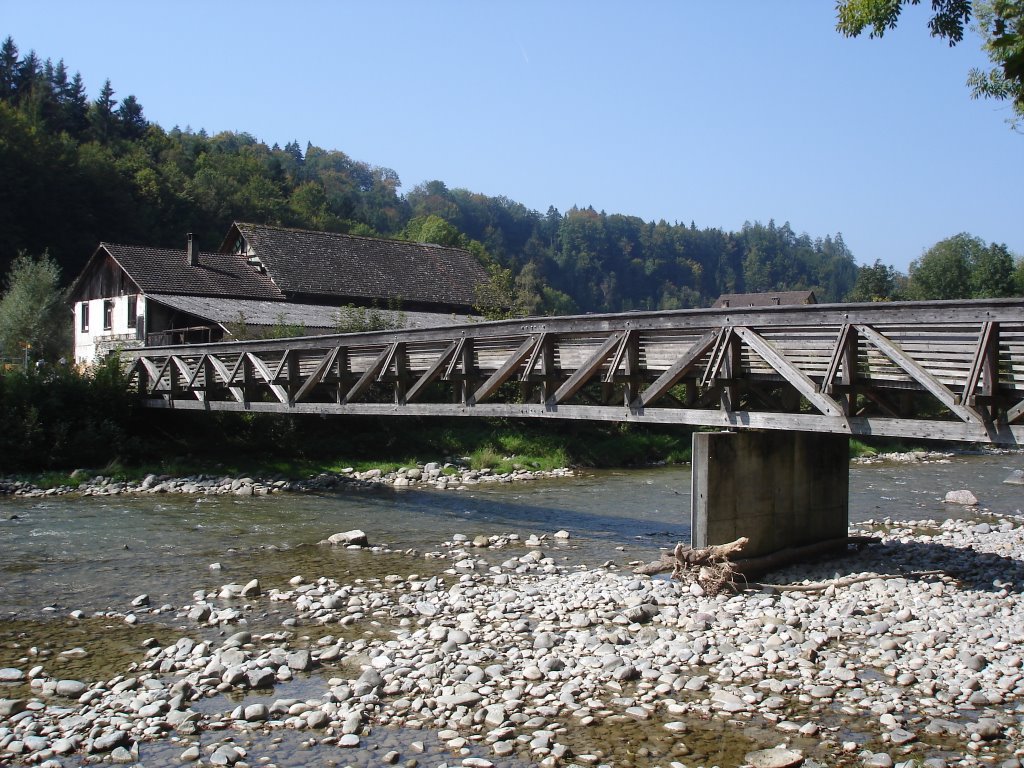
(779, 489)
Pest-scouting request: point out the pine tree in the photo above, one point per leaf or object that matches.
(8, 69)
(101, 115)
(129, 115)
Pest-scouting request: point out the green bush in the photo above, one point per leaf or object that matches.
(57, 417)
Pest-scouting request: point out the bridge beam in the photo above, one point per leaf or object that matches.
(779, 489)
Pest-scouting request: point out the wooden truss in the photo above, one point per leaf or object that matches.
(943, 370)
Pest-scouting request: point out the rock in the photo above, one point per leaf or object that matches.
(190, 755)
(353, 538)
(349, 740)
(987, 728)
(300, 660)
(878, 760)
(70, 688)
(1016, 477)
(774, 758)
(261, 678)
(964, 497)
(11, 675)
(121, 755)
(140, 601)
(251, 589)
(10, 707)
(108, 741)
(563, 535)
(256, 712)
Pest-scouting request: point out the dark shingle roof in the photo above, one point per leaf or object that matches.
(328, 264)
(769, 299)
(162, 270)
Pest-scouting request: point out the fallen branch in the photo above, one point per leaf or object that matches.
(821, 586)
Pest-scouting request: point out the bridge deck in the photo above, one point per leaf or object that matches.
(943, 370)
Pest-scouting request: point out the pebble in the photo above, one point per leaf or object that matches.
(510, 664)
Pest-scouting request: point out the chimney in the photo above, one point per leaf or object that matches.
(193, 253)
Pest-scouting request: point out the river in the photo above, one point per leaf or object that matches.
(95, 554)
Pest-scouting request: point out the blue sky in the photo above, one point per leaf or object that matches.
(716, 113)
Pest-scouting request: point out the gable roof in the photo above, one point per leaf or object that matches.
(329, 264)
(768, 299)
(164, 270)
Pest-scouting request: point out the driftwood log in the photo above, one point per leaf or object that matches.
(715, 567)
(686, 556)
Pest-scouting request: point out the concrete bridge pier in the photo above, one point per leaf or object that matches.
(779, 489)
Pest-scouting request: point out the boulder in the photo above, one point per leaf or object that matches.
(353, 538)
(964, 497)
(774, 758)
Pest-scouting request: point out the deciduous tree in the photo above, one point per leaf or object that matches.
(33, 318)
(999, 22)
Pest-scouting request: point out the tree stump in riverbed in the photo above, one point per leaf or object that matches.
(714, 568)
(709, 567)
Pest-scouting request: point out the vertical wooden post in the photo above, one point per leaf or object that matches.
(401, 373)
(548, 384)
(467, 359)
(293, 384)
(342, 363)
(631, 368)
(731, 363)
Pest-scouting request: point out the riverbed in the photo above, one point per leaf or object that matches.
(71, 567)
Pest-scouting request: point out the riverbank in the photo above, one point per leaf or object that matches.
(498, 654)
(448, 475)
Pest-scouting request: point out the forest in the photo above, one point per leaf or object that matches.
(78, 171)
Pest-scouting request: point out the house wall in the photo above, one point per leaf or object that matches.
(97, 340)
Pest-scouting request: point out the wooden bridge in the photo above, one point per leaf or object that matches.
(945, 370)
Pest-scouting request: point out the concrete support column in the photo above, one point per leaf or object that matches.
(779, 489)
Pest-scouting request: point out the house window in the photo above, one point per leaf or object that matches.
(132, 309)
(108, 314)
(85, 316)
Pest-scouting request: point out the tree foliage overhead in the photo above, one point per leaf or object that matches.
(999, 22)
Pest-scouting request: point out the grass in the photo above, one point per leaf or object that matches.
(290, 447)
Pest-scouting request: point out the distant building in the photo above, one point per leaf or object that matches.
(261, 277)
(770, 299)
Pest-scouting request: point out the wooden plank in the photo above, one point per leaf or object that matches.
(878, 426)
(1016, 413)
(261, 368)
(456, 358)
(919, 374)
(504, 373)
(839, 357)
(583, 374)
(370, 373)
(153, 372)
(680, 368)
(717, 356)
(982, 353)
(186, 371)
(790, 372)
(427, 378)
(940, 314)
(318, 374)
(228, 376)
(620, 353)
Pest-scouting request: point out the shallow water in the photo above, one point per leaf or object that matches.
(96, 553)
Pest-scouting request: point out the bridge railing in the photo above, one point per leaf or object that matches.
(944, 370)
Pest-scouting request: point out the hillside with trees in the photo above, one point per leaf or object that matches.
(80, 171)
